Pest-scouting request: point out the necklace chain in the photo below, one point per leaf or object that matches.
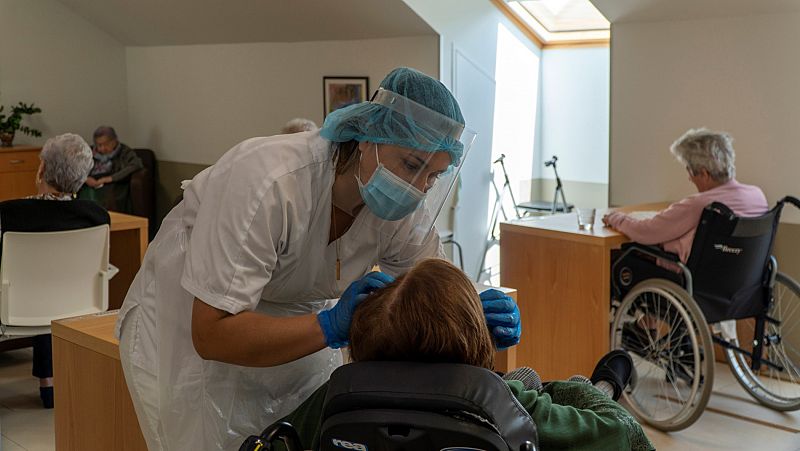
(336, 242)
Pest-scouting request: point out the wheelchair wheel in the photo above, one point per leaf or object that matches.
(666, 334)
(777, 389)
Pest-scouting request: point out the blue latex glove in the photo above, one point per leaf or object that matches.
(502, 317)
(335, 323)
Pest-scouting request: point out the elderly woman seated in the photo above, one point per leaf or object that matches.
(708, 157)
(433, 314)
(109, 180)
(65, 163)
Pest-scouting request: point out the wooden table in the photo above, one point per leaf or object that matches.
(563, 278)
(93, 409)
(127, 248)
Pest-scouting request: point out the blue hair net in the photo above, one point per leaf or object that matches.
(410, 110)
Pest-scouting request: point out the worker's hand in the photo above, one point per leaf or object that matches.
(335, 323)
(502, 317)
(92, 182)
(104, 180)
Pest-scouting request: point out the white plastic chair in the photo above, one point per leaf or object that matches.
(46, 276)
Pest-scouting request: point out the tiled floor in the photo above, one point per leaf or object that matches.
(24, 424)
(732, 420)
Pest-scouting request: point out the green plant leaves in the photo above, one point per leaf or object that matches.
(12, 122)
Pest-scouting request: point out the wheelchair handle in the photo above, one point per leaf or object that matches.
(282, 431)
(792, 200)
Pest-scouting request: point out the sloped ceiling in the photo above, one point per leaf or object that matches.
(620, 11)
(186, 22)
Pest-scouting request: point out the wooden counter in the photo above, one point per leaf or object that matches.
(563, 279)
(93, 409)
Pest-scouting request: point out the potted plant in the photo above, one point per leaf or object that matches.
(12, 122)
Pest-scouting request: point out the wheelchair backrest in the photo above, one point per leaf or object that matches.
(729, 262)
(422, 406)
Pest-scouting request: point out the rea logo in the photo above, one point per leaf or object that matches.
(728, 250)
(348, 445)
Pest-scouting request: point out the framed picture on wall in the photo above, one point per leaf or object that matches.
(340, 92)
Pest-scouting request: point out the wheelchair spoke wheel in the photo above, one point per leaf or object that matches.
(776, 388)
(666, 334)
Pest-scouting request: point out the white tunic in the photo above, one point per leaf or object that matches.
(250, 234)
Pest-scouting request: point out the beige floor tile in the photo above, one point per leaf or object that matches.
(24, 423)
(32, 428)
(733, 421)
(8, 445)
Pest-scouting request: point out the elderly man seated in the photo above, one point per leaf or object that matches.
(65, 162)
(109, 180)
(433, 314)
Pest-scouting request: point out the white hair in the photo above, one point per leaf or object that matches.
(298, 125)
(67, 162)
(701, 148)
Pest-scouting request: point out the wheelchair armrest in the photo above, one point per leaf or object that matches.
(653, 251)
(110, 272)
(658, 253)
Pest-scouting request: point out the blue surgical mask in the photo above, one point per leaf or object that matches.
(388, 196)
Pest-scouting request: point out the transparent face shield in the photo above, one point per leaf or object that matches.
(405, 186)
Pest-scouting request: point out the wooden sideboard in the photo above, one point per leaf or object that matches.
(18, 166)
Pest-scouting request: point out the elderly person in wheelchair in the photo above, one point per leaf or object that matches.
(708, 157)
(712, 267)
(420, 344)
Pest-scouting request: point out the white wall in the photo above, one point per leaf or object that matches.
(193, 103)
(738, 74)
(575, 98)
(63, 64)
(469, 31)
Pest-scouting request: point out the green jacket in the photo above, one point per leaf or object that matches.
(568, 415)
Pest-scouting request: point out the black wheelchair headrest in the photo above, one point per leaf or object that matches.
(432, 387)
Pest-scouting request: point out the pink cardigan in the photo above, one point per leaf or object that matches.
(674, 227)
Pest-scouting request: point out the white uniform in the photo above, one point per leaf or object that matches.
(250, 234)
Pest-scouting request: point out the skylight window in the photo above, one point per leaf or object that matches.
(562, 21)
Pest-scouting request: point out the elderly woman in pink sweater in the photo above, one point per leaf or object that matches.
(708, 157)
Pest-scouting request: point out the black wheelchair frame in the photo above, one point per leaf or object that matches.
(730, 274)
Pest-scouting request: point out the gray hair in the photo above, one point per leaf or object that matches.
(105, 130)
(67, 162)
(701, 149)
(298, 125)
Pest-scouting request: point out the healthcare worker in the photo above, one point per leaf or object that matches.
(233, 319)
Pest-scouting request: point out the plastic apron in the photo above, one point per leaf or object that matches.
(235, 401)
(213, 405)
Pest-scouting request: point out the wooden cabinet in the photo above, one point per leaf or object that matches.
(18, 166)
